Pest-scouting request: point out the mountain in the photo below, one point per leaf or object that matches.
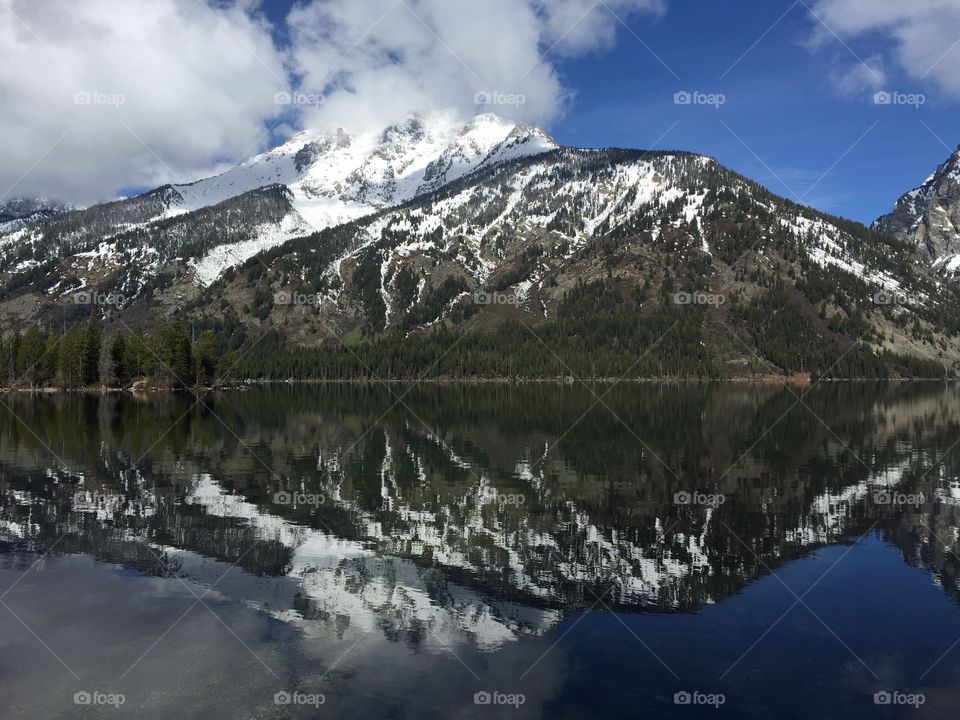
(930, 217)
(320, 179)
(598, 253)
(17, 212)
(536, 260)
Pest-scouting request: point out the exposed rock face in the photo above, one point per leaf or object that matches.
(930, 216)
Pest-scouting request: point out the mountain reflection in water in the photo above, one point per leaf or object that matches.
(462, 520)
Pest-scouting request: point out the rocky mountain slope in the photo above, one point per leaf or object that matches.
(930, 217)
(432, 224)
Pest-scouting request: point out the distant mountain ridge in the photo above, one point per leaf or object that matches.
(17, 212)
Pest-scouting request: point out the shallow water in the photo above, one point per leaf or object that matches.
(395, 552)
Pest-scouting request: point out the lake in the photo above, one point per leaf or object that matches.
(538, 551)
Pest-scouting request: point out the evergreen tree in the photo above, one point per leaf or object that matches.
(205, 357)
(29, 353)
(117, 353)
(136, 357)
(92, 340)
(71, 355)
(48, 364)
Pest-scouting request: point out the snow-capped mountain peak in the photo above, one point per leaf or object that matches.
(318, 178)
(336, 176)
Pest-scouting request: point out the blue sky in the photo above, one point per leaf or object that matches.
(785, 122)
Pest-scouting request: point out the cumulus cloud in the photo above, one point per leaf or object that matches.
(107, 94)
(378, 60)
(925, 36)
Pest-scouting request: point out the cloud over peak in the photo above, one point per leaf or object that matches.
(107, 94)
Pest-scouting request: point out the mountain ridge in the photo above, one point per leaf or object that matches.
(494, 225)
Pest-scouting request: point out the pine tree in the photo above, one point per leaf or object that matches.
(48, 364)
(118, 371)
(205, 357)
(29, 353)
(92, 341)
(71, 356)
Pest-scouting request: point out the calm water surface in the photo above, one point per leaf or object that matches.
(482, 552)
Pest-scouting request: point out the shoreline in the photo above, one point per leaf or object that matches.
(246, 384)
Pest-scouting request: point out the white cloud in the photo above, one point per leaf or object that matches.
(925, 35)
(853, 79)
(174, 88)
(378, 60)
(180, 88)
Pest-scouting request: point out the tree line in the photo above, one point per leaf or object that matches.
(83, 356)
